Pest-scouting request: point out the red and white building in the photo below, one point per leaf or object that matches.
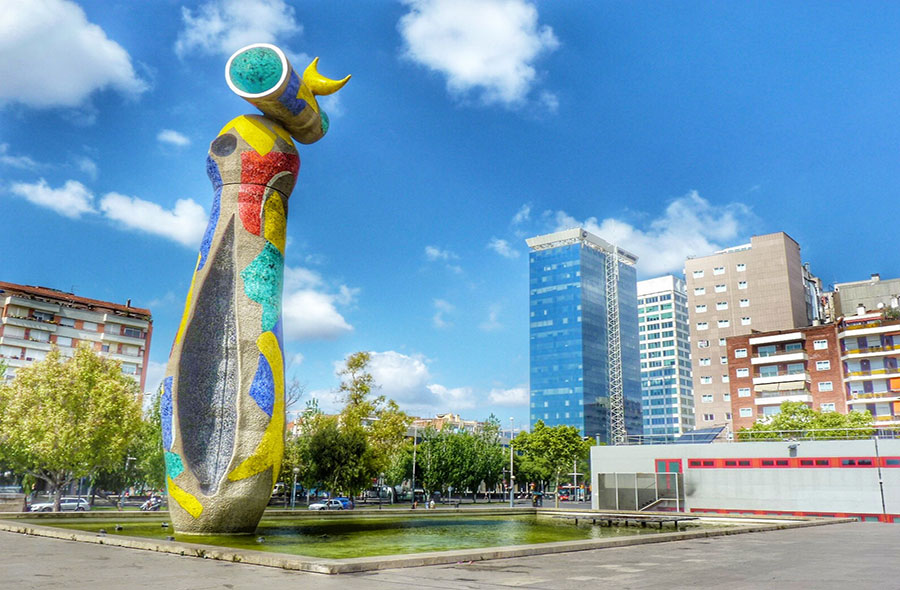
(34, 319)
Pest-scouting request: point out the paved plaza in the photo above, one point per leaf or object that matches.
(840, 556)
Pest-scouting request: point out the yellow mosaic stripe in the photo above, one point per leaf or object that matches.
(185, 499)
(276, 223)
(187, 305)
(270, 450)
(260, 136)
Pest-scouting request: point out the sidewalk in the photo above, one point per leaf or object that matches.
(855, 555)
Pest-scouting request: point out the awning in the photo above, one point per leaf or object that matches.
(766, 387)
(792, 385)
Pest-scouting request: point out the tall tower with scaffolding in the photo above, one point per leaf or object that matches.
(585, 363)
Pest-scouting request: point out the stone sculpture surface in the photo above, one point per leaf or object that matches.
(222, 402)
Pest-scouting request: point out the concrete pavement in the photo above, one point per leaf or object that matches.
(853, 555)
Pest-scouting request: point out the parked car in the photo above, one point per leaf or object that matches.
(65, 505)
(327, 505)
(347, 503)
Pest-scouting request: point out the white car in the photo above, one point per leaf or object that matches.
(65, 505)
(327, 505)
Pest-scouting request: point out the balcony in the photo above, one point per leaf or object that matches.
(870, 328)
(30, 323)
(777, 400)
(782, 378)
(870, 351)
(880, 373)
(791, 337)
(871, 398)
(783, 357)
(23, 343)
(120, 338)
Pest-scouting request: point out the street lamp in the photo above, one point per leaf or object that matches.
(512, 478)
(415, 441)
(294, 488)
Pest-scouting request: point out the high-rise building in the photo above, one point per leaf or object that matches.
(34, 319)
(759, 286)
(585, 368)
(870, 353)
(665, 345)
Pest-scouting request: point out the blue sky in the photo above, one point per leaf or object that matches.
(671, 128)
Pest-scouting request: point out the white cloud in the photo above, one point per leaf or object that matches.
(483, 46)
(492, 323)
(221, 27)
(407, 380)
(513, 397)
(185, 223)
(71, 200)
(172, 137)
(433, 253)
(7, 159)
(690, 226)
(88, 166)
(155, 373)
(52, 56)
(503, 248)
(297, 359)
(522, 215)
(442, 307)
(312, 315)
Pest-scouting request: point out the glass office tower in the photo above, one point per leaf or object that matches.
(574, 334)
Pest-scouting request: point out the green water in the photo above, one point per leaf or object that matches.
(361, 537)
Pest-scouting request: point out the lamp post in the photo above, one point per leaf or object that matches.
(294, 488)
(415, 441)
(512, 478)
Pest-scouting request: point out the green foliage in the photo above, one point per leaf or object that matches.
(460, 459)
(342, 458)
(63, 419)
(550, 452)
(797, 420)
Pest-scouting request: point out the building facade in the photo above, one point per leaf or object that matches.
(800, 365)
(870, 353)
(584, 335)
(873, 294)
(760, 286)
(665, 349)
(34, 319)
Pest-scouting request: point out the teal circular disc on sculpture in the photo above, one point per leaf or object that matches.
(256, 70)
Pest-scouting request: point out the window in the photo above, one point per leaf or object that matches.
(745, 303)
(723, 360)
(721, 305)
(826, 386)
(705, 362)
(820, 344)
(700, 308)
(13, 331)
(745, 372)
(720, 288)
(768, 350)
(721, 342)
(136, 333)
(39, 336)
(702, 326)
(745, 321)
(89, 326)
(63, 341)
(68, 322)
(793, 346)
(719, 270)
(706, 380)
(827, 407)
(724, 378)
(112, 329)
(740, 353)
(743, 392)
(823, 365)
(746, 412)
(707, 398)
(742, 285)
(740, 267)
(726, 396)
(768, 371)
(703, 344)
(42, 316)
(795, 368)
(699, 290)
(723, 323)
(709, 418)
(698, 274)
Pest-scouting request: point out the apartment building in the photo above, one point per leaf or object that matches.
(798, 365)
(872, 294)
(870, 351)
(664, 336)
(759, 286)
(34, 319)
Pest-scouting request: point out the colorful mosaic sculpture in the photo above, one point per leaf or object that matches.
(223, 394)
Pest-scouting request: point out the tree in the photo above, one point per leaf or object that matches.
(342, 458)
(796, 420)
(63, 419)
(557, 448)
